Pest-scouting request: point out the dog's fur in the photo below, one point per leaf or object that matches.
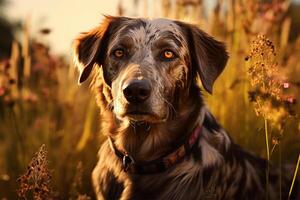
(216, 168)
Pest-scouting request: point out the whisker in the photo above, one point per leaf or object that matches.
(172, 110)
(110, 106)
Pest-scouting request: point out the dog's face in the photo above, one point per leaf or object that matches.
(148, 64)
(145, 62)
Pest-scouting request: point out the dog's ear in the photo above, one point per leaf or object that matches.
(90, 47)
(208, 55)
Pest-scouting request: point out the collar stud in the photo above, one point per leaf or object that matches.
(127, 161)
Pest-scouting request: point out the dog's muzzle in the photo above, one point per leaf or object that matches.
(137, 104)
(137, 91)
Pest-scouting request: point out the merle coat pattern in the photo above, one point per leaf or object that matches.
(167, 58)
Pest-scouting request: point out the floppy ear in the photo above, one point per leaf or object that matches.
(208, 55)
(90, 47)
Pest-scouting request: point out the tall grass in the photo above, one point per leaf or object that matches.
(40, 102)
(267, 92)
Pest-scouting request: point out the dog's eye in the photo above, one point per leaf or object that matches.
(119, 53)
(168, 54)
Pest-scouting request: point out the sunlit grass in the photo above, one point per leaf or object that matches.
(41, 103)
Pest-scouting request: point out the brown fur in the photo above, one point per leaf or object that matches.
(216, 168)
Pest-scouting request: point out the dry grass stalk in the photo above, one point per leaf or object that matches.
(294, 177)
(35, 183)
(267, 93)
(269, 85)
(25, 50)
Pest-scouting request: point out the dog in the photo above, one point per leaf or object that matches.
(162, 141)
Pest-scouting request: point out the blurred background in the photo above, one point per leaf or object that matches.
(41, 103)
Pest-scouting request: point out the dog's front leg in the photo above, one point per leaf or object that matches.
(108, 186)
(127, 192)
(109, 181)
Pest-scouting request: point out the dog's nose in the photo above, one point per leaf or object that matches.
(137, 91)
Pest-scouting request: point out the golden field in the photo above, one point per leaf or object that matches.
(49, 126)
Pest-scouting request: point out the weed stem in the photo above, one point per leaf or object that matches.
(294, 178)
(268, 157)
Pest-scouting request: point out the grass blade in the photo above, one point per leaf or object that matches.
(294, 178)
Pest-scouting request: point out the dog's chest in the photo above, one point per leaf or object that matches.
(182, 182)
(238, 177)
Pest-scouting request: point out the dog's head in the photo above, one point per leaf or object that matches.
(148, 64)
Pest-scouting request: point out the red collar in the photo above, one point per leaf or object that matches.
(160, 164)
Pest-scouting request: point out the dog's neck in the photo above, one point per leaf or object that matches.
(145, 142)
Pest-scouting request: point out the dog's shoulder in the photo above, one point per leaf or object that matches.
(106, 175)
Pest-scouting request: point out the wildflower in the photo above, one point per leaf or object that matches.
(275, 141)
(286, 85)
(37, 178)
(290, 100)
(268, 83)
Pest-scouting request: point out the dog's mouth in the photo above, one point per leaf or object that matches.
(138, 113)
(142, 116)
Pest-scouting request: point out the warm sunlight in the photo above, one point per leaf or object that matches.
(150, 99)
